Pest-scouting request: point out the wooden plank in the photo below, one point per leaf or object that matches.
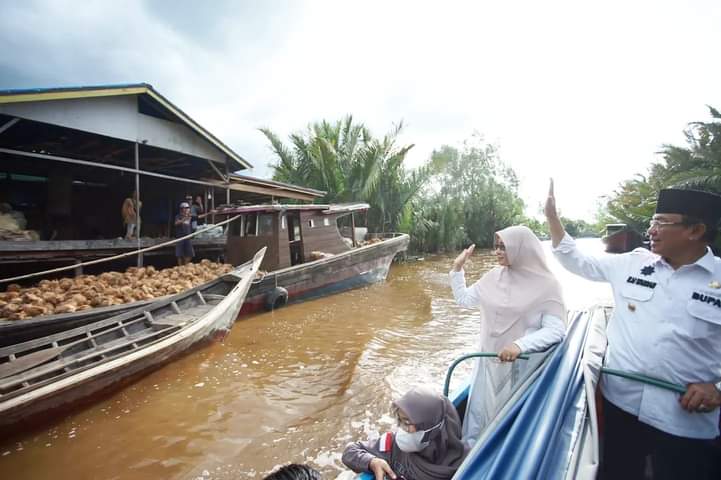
(28, 361)
(34, 359)
(200, 297)
(213, 296)
(76, 332)
(104, 349)
(175, 307)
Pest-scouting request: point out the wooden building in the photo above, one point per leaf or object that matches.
(70, 156)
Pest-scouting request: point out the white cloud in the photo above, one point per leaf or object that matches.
(584, 93)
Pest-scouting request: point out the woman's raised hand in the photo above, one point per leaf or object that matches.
(462, 257)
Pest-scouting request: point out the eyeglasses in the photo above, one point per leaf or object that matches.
(500, 246)
(404, 423)
(660, 224)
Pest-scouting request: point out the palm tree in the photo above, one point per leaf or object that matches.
(349, 164)
(699, 164)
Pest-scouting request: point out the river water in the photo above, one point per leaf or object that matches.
(294, 385)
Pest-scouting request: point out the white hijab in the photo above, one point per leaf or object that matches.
(521, 290)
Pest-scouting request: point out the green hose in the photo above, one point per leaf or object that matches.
(639, 377)
(447, 384)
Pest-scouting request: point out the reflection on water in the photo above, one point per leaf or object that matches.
(294, 385)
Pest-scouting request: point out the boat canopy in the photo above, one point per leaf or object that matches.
(333, 209)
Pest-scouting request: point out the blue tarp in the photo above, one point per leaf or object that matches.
(533, 439)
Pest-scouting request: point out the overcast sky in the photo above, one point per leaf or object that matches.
(585, 92)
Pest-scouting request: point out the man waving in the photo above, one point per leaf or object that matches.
(666, 324)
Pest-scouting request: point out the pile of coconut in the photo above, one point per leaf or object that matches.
(110, 288)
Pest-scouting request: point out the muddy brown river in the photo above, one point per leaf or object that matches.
(294, 385)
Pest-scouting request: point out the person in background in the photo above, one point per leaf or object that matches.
(183, 249)
(426, 445)
(294, 471)
(522, 311)
(666, 323)
(130, 211)
(193, 212)
(197, 211)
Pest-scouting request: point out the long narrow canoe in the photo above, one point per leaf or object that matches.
(53, 372)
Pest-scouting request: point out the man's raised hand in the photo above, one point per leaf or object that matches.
(550, 208)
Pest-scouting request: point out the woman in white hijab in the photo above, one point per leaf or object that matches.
(522, 311)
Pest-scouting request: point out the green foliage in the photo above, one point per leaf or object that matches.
(471, 198)
(349, 164)
(540, 228)
(579, 228)
(698, 165)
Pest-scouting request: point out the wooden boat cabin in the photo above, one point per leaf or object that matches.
(620, 238)
(293, 234)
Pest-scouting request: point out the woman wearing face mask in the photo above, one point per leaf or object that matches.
(522, 311)
(426, 445)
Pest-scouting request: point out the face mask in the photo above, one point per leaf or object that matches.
(413, 442)
(410, 442)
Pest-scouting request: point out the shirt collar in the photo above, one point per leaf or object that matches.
(706, 261)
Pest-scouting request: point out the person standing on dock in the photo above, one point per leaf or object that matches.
(197, 211)
(130, 212)
(522, 311)
(666, 323)
(183, 249)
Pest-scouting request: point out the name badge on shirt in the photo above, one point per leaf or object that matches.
(640, 282)
(705, 298)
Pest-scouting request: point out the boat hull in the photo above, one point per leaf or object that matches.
(352, 269)
(37, 404)
(355, 268)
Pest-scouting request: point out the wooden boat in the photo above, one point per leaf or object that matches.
(53, 372)
(620, 238)
(309, 254)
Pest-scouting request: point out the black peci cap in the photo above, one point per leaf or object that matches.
(705, 206)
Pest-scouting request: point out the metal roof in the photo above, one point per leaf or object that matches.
(274, 184)
(64, 93)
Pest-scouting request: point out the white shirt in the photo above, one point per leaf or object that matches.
(666, 324)
(551, 331)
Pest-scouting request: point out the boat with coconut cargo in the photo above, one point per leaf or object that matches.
(54, 372)
(311, 251)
